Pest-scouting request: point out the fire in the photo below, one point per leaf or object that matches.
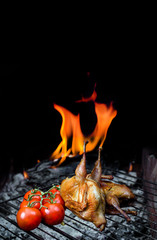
(130, 167)
(91, 98)
(25, 174)
(71, 128)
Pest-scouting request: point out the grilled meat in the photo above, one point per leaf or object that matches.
(86, 195)
(113, 194)
(83, 196)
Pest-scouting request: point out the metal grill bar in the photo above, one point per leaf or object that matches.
(2, 237)
(46, 233)
(147, 213)
(134, 230)
(140, 189)
(85, 234)
(10, 232)
(133, 223)
(89, 227)
(8, 210)
(54, 228)
(121, 171)
(31, 233)
(148, 220)
(138, 184)
(127, 174)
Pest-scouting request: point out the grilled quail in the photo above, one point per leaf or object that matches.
(83, 196)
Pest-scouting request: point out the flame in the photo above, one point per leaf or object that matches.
(71, 128)
(130, 167)
(91, 98)
(25, 174)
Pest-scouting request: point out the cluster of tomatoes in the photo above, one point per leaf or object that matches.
(38, 205)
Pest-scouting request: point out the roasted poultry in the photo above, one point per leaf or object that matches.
(86, 195)
(83, 196)
(113, 193)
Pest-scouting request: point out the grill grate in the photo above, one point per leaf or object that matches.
(142, 226)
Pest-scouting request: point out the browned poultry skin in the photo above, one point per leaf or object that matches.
(84, 197)
(113, 193)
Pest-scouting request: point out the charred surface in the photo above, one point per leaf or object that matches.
(142, 226)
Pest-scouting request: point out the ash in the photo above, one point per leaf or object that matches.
(43, 176)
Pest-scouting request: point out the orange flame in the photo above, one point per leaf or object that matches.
(25, 174)
(91, 98)
(71, 128)
(130, 167)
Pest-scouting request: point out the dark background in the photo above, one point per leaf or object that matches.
(30, 126)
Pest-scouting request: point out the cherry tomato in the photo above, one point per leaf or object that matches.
(56, 199)
(47, 200)
(59, 199)
(33, 192)
(55, 190)
(34, 203)
(52, 213)
(28, 218)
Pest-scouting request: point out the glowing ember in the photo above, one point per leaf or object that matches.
(25, 174)
(71, 128)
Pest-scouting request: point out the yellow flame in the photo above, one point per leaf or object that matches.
(71, 128)
(25, 174)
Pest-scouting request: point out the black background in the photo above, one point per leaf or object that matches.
(30, 126)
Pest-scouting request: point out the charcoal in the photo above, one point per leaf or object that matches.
(43, 176)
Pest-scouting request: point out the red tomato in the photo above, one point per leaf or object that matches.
(47, 200)
(56, 199)
(55, 190)
(59, 199)
(28, 218)
(33, 192)
(52, 214)
(34, 203)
